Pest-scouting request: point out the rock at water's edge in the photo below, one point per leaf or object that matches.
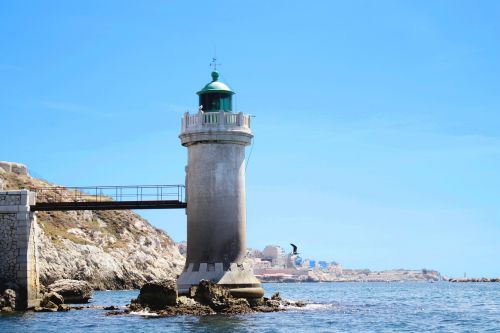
(63, 307)
(8, 300)
(158, 294)
(73, 291)
(219, 298)
(47, 306)
(53, 297)
(209, 298)
(211, 294)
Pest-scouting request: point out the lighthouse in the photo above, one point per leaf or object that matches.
(216, 138)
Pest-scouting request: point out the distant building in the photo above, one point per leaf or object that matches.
(335, 268)
(323, 265)
(273, 264)
(254, 253)
(273, 252)
(261, 264)
(276, 255)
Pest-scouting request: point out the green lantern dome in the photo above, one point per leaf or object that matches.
(215, 96)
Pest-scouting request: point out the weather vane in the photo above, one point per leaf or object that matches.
(214, 63)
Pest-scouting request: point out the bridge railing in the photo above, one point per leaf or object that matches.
(140, 193)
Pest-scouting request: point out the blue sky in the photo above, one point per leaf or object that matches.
(377, 140)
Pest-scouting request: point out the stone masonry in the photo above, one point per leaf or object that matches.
(18, 255)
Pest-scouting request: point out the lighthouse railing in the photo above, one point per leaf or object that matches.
(201, 120)
(231, 118)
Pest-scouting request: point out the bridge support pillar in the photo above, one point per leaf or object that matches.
(18, 250)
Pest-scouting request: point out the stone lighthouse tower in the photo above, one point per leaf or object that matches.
(216, 138)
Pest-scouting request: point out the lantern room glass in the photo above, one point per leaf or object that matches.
(214, 102)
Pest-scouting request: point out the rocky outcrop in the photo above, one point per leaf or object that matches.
(53, 297)
(108, 249)
(206, 298)
(13, 167)
(158, 294)
(8, 301)
(219, 299)
(472, 279)
(52, 302)
(46, 306)
(72, 291)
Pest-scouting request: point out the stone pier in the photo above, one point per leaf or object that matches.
(18, 251)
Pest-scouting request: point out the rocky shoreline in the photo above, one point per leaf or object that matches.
(207, 298)
(472, 279)
(156, 298)
(108, 249)
(56, 297)
(348, 275)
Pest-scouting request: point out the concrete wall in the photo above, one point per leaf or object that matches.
(18, 254)
(216, 205)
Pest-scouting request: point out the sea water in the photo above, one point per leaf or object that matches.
(332, 307)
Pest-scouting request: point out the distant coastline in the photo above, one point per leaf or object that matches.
(400, 275)
(483, 279)
(347, 275)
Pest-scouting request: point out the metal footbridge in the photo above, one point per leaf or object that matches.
(58, 198)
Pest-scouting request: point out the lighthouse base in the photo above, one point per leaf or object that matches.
(238, 278)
